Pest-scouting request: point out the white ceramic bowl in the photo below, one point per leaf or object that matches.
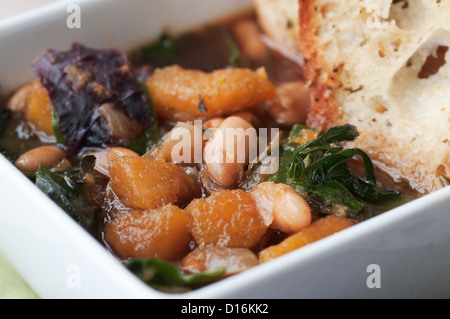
(409, 245)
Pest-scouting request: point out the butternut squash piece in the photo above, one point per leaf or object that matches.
(317, 230)
(186, 95)
(142, 183)
(159, 233)
(38, 111)
(226, 218)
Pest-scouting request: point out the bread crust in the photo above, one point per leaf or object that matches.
(324, 110)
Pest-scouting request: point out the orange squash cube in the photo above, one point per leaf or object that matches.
(176, 92)
(142, 183)
(38, 110)
(226, 218)
(317, 230)
(159, 233)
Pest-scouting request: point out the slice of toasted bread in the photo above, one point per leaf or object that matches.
(383, 66)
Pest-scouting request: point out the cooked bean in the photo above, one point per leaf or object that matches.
(249, 117)
(19, 100)
(213, 123)
(291, 213)
(211, 126)
(229, 150)
(105, 157)
(47, 156)
(249, 38)
(280, 207)
(62, 166)
(234, 260)
(291, 104)
(182, 145)
(209, 185)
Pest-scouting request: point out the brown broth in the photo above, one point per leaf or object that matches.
(205, 50)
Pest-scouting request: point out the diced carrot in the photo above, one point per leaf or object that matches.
(38, 111)
(159, 233)
(317, 230)
(142, 183)
(185, 95)
(226, 218)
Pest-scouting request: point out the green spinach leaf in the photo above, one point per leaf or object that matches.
(320, 167)
(159, 272)
(162, 52)
(57, 129)
(70, 193)
(233, 49)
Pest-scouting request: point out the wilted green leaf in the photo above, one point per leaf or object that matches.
(69, 193)
(320, 167)
(159, 272)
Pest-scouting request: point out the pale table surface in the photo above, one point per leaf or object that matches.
(12, 285)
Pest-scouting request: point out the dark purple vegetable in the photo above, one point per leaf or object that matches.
(92, 90)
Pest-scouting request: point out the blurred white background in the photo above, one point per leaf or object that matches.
(12, 7)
